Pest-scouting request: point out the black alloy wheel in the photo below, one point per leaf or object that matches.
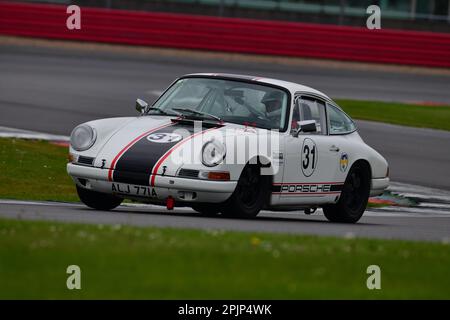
(250, 194)
(98, 200)
(354, 196)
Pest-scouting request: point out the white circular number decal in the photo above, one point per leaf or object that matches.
(164, 137)
(309, 157)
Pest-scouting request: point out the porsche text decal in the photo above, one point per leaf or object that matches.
(307, 188)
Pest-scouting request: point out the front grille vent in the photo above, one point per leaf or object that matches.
(87, 161)
(188, 173)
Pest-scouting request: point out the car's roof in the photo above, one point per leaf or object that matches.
(291, 86)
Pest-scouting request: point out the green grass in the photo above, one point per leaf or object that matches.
(435, 117)
(146, 263)
(34, 170)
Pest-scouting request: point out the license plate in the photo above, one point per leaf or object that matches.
(133, 190)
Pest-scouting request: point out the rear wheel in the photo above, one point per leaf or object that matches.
(354, 197)
(250, 194)
(98, 200)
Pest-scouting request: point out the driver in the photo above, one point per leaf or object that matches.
(272, 101)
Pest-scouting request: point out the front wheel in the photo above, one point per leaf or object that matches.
(98, 200)
(250, 194)
(354, 197)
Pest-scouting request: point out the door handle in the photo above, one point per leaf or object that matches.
(334, 148)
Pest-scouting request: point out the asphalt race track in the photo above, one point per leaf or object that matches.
(415, 155)
(428, 219)
(372, 225)
(53, 89)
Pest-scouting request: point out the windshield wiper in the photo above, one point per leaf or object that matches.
(200, 113)
(162, 111)
(156, 109)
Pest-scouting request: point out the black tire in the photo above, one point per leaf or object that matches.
(98, 200)
(354, 196)
(250, 194)
(207, 209)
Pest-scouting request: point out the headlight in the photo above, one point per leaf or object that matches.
(82, 137)
(213, 153)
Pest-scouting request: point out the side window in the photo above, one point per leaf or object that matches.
(339, 122)
(308, 108)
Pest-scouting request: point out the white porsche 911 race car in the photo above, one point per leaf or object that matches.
(233, 145)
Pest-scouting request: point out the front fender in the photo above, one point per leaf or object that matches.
(105, 129)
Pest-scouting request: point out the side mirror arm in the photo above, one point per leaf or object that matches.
(141, 106)
(296, 132)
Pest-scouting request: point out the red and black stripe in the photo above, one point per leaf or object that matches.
(128, 146)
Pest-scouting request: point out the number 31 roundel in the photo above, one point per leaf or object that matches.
(310, 156)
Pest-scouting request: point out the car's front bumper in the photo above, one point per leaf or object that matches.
(378, 186)
(181, 189)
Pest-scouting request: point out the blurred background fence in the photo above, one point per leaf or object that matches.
(228, 34)
(429, 15)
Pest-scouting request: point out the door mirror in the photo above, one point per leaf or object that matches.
(141, 106)
(305, 127)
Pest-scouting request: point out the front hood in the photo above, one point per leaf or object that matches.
(140, 147)
(158, 145)
(126, 136)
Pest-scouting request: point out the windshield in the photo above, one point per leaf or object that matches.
(231, 101)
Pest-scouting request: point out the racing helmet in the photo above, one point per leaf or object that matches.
(272, 100)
